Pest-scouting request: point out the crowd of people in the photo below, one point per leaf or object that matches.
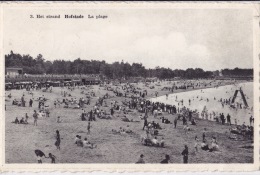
(153, 114)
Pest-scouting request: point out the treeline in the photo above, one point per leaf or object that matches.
(237, 72)
(121, 69)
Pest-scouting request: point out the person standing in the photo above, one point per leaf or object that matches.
(196, 144)
(90, 115)
(185, 154)
(57, 143)
(175, 122)
(184, 120)
(204, 136)
(89, 126)
(30, 103)
(35, 116)
(112, 111)
(145, 123)
(52, 157)
(251, 120)
(228, 119)
(26, 118)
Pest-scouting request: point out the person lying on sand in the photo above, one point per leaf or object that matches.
(122, 131)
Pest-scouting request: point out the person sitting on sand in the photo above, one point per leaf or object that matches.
(162, 142)
(141, 159)
(166, 160)
(16, 121)
(15, 102)
(233, 136)
(193, 122)
(129, 131)
(78, 140)
(186, 128)
(214, 145)
(147, 138)
(59, 119)
(87, 144)
(125, 119)
(26, 118)
(204, 146)
(22, 121)
(156, 125)
(155, 141)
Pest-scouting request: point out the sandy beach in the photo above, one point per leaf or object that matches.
(22, 140)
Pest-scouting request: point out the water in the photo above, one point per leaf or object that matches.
(199, 101)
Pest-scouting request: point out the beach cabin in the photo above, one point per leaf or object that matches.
(13, 72)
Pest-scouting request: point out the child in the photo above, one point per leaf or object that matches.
(52, 157)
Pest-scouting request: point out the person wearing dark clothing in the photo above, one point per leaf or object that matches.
(90, 116)
(251, 120)
(30, 103)
(166, 160)
(112, 111)
(184, 120)
(185, 154)
(228, 119)
(222, 117)
(52, 157)
(39, 155)
(175, 122)
(190, 115)
(16, 121)
(203, 136)
(145, 123)
(57, 143)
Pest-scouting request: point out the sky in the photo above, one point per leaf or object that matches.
(211, 39)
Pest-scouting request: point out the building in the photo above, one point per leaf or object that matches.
(13, 71)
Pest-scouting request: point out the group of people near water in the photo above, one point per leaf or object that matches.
(135, 101)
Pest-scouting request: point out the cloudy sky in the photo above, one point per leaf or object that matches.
(176, 38)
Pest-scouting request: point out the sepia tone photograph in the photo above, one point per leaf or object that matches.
(159, 85)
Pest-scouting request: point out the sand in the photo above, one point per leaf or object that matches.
(22, 140)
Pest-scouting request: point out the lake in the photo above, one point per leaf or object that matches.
(199, 100)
